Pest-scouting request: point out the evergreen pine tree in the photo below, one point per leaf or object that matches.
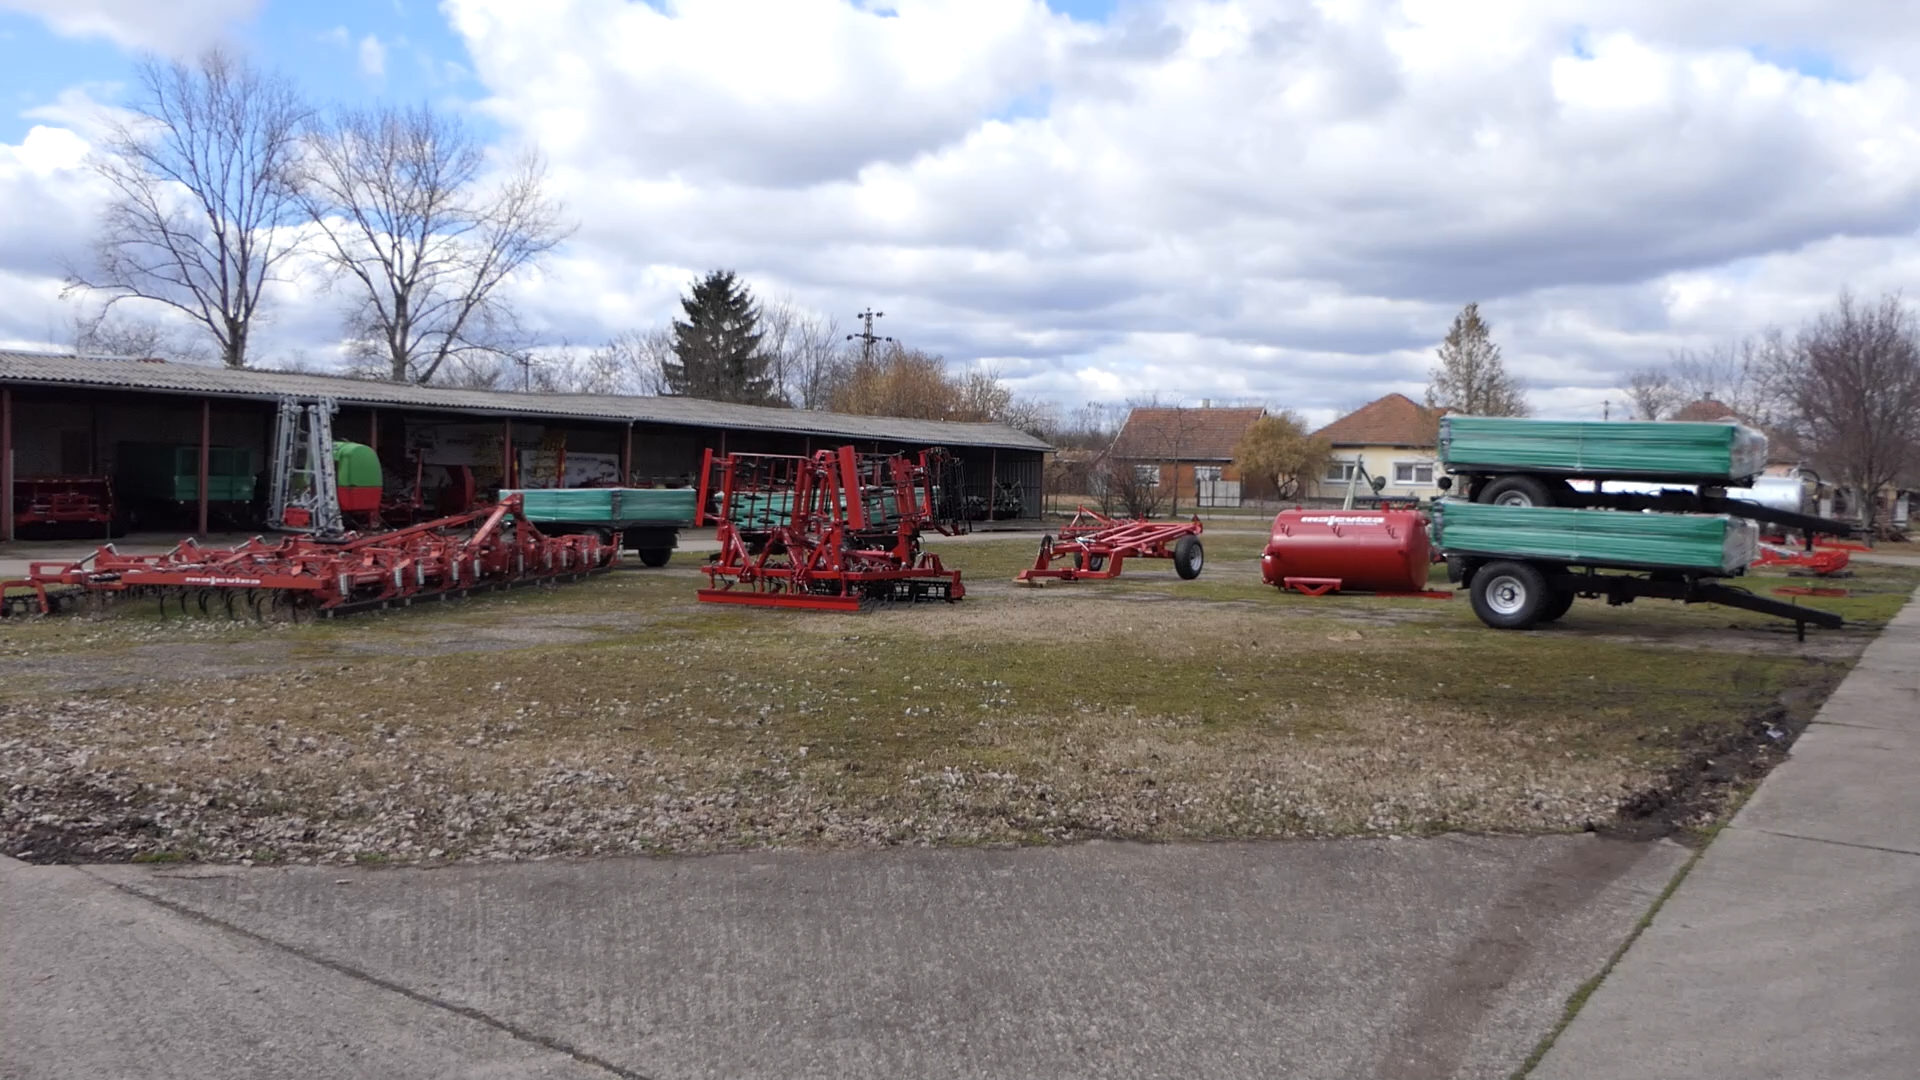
(1470, 378)
(716, 348)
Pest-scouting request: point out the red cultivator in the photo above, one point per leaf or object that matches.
(1820, 561)
(488, 549)
(828, 531)
(1095, 546)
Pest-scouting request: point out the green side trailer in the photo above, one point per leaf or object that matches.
(160, 482)
(1525, 565)
(1715, 544)
(648, 519)
(1696, 453)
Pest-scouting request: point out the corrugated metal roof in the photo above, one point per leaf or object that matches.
(51, 369)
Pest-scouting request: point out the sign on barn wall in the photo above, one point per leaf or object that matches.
(476, 445)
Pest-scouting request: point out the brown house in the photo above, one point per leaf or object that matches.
(1186, 453)
(1393, 437)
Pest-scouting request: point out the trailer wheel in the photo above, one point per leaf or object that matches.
(1558, 604)
(655, 557)
(1188, 557)
(1517, 491)
(1510, 595)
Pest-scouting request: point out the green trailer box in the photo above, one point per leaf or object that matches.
(170, 472)
(1661, 450)
(1701, 543)
(611, 508)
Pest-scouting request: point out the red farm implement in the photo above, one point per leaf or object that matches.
(1094, 547)
(71, 502)
(1821, 560)
(492, 548)
(828, 531)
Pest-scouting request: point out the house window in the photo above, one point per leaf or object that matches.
(1413, 472)
(1206, 474)
(1339, 472)
(1147, 474)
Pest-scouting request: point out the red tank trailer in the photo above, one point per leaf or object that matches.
(1321, 551)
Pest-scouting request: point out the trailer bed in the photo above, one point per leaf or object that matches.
(1677, 452)
(1716, 544)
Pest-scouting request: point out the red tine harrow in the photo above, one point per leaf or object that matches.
(1095, 546)
(487, 549)
(829, 531)
(1820, 561)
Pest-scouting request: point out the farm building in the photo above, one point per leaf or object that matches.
(1187, 453)
(188, 447)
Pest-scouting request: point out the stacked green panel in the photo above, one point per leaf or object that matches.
(1659, 450)
(613, 507)
(767, 510)
(1705, 543)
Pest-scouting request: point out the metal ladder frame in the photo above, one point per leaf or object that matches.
(303, 447)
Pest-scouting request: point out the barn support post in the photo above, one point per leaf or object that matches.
(1040, 511)
(6, 463)
(373, 431)
(993, 479)
(626, 457)
(206, 455)
(506, 452)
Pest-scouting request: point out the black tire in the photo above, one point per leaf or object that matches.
(1517, 491)
(1557, 605)
(1510, 595)
(1095, 563)
(655, 557)
(1188, 558)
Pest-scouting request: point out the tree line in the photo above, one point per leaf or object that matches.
(226, 180)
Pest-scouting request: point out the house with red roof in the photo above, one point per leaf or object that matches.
(1186, 452)
(1393, 437)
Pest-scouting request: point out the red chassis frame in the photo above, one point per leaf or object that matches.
(828, 531)
(1097, 546)
(61, 500)
(495, 547)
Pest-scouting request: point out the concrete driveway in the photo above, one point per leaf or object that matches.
(1408, 958)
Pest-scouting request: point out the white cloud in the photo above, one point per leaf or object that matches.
(373, 57)
(1241, 198)
(174, 27)
(1221, 199)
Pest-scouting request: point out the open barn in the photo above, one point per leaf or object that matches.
(188, 447)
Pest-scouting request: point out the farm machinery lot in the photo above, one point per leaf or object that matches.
(621, 715)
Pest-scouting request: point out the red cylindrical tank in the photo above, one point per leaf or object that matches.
(1366, 550)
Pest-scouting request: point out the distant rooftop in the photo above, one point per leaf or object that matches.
(1394, 420)
(1203, 434)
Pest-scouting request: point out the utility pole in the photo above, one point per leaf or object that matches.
(866, 336)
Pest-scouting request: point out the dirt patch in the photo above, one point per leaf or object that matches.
(1716, 771)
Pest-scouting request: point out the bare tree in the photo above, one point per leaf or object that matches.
(633, 361)
(1654, 395)
(420, 238)
(1470, 378)
(1850, 387)
(1134, 486)
(107, 333)
(202, 211)
(1732, 373)
(805, 351)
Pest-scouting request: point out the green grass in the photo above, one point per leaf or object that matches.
(1146, 707)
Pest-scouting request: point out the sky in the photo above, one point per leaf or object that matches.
(1283, 201)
